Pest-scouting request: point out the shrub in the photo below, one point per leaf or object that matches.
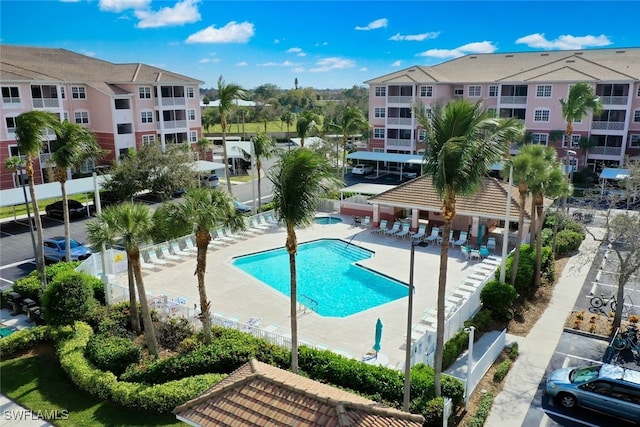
(498, 297)
(267, 207)
(454, 347)
(481, 320)
(502, 370)
(172, 332)
(567, 241)
(113, 320)
(433, 412)
(514, 351)
(484, 407)
(526, 269)
(25, 339)
(112, 353)
(29, 287)
(67, 299)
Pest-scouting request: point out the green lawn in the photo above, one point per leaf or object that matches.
(37, 382)
(8, 211)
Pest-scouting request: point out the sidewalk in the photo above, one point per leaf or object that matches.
(15, 415)
(535, 350)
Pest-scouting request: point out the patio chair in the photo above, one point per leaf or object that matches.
(491, 243)
(422, 230)
(475, 254)
(153, 258)
(164, 250)
(188, 244)
(462, 239)
(393, 230)
(382, 228)
(257, 226)
(404, 232)
(175, 246)
(263, 221)
(435, 232)
(366, 221)
(465, 252)
(440, 237)
(147, 265)
(233, 235)
(271, 220)
(223, 237)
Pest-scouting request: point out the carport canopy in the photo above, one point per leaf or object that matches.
(367, 189)
(614, 173)
(377, 156)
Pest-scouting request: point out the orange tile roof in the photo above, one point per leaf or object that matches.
(258, 394)
(488, 202)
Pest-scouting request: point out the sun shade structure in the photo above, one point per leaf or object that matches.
(258, 394)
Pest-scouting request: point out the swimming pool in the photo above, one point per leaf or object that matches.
(325, 220)
(328, 274)
(5, 331)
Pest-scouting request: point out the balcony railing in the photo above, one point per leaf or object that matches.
(399, 99)
(614, 100)
(399, 121)
(392, 142)
(46, 103)
(11, 101)
(175, 124)
(606, 151)
(173, 101)
(516, 100)
(607, 126)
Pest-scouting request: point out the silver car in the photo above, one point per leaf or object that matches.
(609, 389)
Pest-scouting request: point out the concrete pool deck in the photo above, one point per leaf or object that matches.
(235, 294)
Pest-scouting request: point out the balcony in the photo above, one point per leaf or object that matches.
(605, 151)
(399, 121)
(167, 101)
(607, 125)
(399, 99)
(175, 124)
(394, 142)
(614, 100)
(11, 102)
(46, 103)
(514, 100)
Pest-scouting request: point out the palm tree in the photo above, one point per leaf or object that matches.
(263, 148)
(226, 94)
(300, 177)
(579, 102)
(74, 145)
(29, 129)
(130, 223)
(352, 120)
(306, 122)
(205, 209)
(462, 144)
(288, 118)
(203, 145)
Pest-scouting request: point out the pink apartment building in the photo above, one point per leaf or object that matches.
(126, 105)
(523, 85)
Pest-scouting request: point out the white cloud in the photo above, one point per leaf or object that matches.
(415, 37)
(363, 69)
(277, 64)
(233, 32)
(322, 44)
(294, 50)
(89, 53)
(298, 70)
(120, 5)
(242, 64)
(333, 63)
(566, 42)
(207, 60)
(184, 12)
(475, 47)
(374, 25)
(397, 64)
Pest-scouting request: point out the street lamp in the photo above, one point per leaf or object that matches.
(407, 355)
(23, 181)
(569, 154)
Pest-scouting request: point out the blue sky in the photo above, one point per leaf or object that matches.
(324, 44)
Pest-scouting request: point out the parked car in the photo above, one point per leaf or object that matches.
(609, 389)
(54, 250)
(210, 180)
(76, 209)
(361, 169)
(241, 209)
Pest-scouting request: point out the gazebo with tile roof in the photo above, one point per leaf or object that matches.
(258, 394)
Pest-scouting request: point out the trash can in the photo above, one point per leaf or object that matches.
(33, 314)
(26, 304)
(14, 299)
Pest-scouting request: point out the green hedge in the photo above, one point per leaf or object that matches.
(498, 297)
(161, 398)
(482, 412)
(112, 354)
(502, 370)
(567, 241)
(25, 339)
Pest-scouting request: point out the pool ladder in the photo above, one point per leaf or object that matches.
(305, 302)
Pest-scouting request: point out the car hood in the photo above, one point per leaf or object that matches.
(83, 250)
(560, 376)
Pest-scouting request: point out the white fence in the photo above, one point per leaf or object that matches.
(480, 367)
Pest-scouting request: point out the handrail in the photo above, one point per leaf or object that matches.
(311, 303)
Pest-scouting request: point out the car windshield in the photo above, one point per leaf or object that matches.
(74, 244)
(582, 375)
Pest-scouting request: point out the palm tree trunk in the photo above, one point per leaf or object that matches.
(292, 248)
(38, 222)
(133, 303)
(202, 243)
(516, 254)
(62, 178)
(223, 123)
(536, 277)
(259, 168)
(149, 331)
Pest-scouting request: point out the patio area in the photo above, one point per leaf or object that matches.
(237, 295)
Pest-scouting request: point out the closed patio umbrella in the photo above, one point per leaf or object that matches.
(376, 344)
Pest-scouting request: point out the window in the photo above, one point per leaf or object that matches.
(379, 112)
(378, 133)
(122, 104)
(144, 92)
(575, 140)
(638, 92)
(148, 139)
(78, 92)
(63, 92)
(81, 117)
(124, 128)
(11, 124)
(635, 141)
(492, 112)
(541, 115)
(381, 91)
(190, 93)
(193, 136)
(493, 90)
(146, 116)
(543, 91)
(540, 138)
(458, 91)
(636, 116)
(426, 91)
(475, 91)
(10, 95)
(191, 114)
(422, 134)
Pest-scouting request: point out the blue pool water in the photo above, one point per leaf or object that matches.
(328, 274)
(4, 331)
(328, 220)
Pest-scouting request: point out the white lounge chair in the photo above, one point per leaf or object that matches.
(227, 232)
(257, 226)
(175, 246)
(271, 220)
(462, 239)
(147, 265)
(366, 221)
(166, 254)
(380, 229)
(422, 230)
(393, 230)
(224, 238)
(263, 221)
(435, 232)
(153, 258)
(440, 237)
(491, 243)
(188, 245)
(404, 232)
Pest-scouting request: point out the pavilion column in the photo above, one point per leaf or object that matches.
(376, 215)
(415, 215)
(475, 228)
